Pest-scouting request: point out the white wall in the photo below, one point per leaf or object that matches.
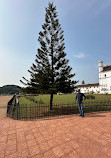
(95, 89)
(105, 82)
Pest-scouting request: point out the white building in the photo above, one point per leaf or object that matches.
(89, 88)
(104, 78)
(104, 85)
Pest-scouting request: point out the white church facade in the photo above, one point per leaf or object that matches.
(104, 85)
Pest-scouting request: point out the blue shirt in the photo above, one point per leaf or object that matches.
(80, 96)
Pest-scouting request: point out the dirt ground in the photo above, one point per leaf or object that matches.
(3, 105)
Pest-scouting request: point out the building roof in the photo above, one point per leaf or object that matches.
(107, 68)
(88, 85)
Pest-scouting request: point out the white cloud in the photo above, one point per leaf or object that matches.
(79, 55)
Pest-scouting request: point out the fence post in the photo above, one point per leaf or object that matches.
(17, 110)
(30, 112)
(26, 112)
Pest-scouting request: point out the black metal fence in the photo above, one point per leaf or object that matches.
(10, 106)
(42, 111)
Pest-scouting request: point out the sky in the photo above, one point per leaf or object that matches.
(87, 32)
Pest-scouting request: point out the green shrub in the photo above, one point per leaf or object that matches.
(90, 97)
(59, 93)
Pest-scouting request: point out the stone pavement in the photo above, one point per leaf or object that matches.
(70, 137)
(3, 105)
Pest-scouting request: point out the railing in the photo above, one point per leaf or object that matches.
(12, 104)
(42, 111)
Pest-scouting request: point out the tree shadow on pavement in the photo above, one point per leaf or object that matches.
(94, 115)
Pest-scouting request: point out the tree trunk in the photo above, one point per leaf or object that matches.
(51, 101)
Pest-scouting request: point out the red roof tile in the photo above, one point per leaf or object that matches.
(88, 85)
(107, 68)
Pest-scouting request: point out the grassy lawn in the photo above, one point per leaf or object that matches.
(65, 98)
(31, 107)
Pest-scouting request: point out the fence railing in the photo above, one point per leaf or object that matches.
(42, 111)
(10, 106)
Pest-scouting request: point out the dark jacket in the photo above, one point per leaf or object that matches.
(80, 96)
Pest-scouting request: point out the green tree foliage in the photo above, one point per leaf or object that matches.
(83, 82)
(51, 73)
(10, 89)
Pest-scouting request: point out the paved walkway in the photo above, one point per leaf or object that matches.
(3, 105)
(71, 137)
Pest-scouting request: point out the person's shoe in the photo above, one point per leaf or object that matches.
(80, 115)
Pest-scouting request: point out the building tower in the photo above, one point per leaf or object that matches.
(100, 65)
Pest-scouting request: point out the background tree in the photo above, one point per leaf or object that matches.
(51, 72)
(83, 82)
(10, 89)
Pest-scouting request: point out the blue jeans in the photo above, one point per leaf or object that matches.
(80, 106)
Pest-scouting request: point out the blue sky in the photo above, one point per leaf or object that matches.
(87, 33)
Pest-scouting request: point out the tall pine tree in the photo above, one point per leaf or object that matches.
(51, 73)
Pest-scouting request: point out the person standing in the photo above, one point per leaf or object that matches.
(80, 96)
